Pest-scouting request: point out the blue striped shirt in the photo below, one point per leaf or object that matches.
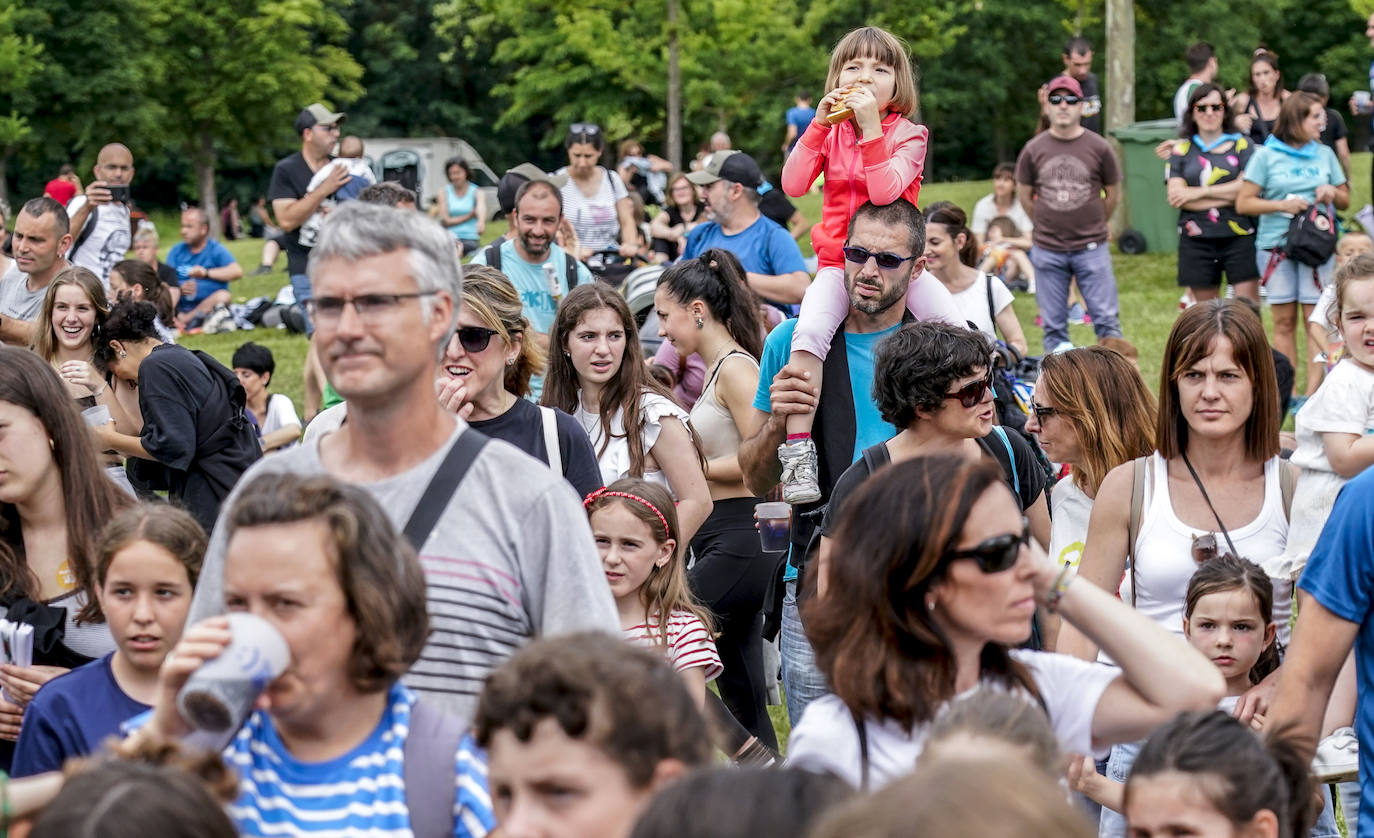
(361, 793)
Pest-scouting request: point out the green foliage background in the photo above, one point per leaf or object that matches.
(177, 80)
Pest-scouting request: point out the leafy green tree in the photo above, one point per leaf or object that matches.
(234, 74)
(19, 65)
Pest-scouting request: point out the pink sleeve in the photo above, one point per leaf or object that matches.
(823, 309)
(928, 299)
(667, 356)
(888, 176)
(805, 161)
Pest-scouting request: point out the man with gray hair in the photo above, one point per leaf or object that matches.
(505, 545)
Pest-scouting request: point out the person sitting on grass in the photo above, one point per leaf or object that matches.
(273, 413)
(205, 268)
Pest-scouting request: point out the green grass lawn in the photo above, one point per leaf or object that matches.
(1146, 284)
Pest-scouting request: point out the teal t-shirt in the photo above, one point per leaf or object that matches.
(869, 427)
(1281, 170)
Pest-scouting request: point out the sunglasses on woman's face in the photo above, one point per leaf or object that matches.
(970, 395)
(998, 553)
(474, 339)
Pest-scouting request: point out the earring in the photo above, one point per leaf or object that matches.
(123, 354)
(51, 445)
(510, 362)
(930, 605)
(700, 325)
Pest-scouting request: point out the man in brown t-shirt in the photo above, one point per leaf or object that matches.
(1069, 183)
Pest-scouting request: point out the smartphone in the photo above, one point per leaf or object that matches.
(119, 194)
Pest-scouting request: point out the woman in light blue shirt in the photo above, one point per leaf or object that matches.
(464, 208)
(1290, 172)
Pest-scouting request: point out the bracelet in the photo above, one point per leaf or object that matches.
(1061, 584)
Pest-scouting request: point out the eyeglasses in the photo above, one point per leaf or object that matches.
(474, 339)
(1041, 411)
(1064, 99)
(1209, 107)
(971, 394)
(589, 128)
(370, 307)
(886, 261)
(996, 554)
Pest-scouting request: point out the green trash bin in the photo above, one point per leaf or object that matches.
(1147, 205)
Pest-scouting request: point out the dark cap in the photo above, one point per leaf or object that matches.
(734, 166)
(517, 177)
(315, 115)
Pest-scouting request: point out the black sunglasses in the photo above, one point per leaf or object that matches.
(971, 394)
(886, 261)
(1064, 99)
(474, 339)
(1214, 107)
(996, 554)
(1041, 411)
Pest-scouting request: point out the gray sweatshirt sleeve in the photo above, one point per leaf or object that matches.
(565, 587)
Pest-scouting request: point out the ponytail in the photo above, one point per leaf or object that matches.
(956, 222)
(155, 291)
(718, 280)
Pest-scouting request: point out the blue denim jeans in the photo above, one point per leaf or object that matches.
(1350, 805)
(1093, 269)
(801, 680)
(300, 286)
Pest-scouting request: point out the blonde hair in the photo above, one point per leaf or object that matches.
(44, 342)
(666, 589)
(490, 297)
(872, 42)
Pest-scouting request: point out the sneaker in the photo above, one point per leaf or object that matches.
(262, 270)
(1064, 346)
(1338, 757)
(219, 321)
(1076, 314)
(799, 469)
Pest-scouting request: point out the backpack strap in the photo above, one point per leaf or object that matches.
(86, 230)
(1288, 482)
(552, 451)
(493, 254)
(430, 772)
(571, 271)
(442, 486)
(1011, 459)
(992, 312)
(862, 729)
(1138, 469)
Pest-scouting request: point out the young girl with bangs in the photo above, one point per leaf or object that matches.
(636, 531)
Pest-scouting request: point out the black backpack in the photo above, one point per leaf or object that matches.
(1312, 235)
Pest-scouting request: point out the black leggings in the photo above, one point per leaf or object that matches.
(730, 576)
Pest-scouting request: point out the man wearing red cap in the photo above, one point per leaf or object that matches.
(1069, 183)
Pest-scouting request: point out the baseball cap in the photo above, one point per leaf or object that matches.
(517, 177)
(1068, 83)
(731, 165)
(317, 114)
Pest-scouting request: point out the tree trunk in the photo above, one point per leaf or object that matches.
(1119, 106)
(4, 185)
(204, 161)
(674, 89)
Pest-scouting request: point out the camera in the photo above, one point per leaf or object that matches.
(119, 194)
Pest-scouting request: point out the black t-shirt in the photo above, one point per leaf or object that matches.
(291, 179)
(1335, 128)
(1092, 103)
(523, 427)
(191, 426)
(670, 248)
(774, 205)
(168, 275)
(1027, 482)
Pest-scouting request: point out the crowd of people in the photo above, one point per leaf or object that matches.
(516, 553)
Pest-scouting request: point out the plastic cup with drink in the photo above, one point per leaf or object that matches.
(219, 696)
(96, 416)
(775, 520)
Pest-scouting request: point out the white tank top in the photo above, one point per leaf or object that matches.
(1163, 547)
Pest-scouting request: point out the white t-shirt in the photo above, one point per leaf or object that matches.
(360, 177)
(17, 302)
(973, 303)
(1324, 312)
(826, 738)
(1181, 98)
(1070, 510)
(595, 219)
(1343, 404)
(986, 210)
(615, 460)
(280, 414)
(109, 240)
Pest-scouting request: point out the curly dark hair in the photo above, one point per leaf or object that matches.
(584, 682)
(381, 577)
(916, 364)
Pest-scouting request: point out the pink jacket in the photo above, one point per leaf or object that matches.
(881, 170)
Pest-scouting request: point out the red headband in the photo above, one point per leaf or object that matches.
(603, 493)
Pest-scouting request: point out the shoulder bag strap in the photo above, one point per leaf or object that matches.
(1138, 469)
(862, 730)
(1203, 490)
(992, 312)
(552, 451)
(494, 254)
(442, 486)
(86, 230)
(1288, 482)
(430, 772)
(571, 269)
(1011, 460)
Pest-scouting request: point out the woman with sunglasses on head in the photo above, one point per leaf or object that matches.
(595, 199)
(488, 364)
(1205, 169)
(931, 380)
(597, 373)
(932, 605)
